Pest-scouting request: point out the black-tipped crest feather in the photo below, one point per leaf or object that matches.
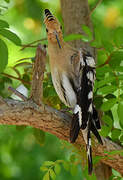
(47, 12)
(49, 15)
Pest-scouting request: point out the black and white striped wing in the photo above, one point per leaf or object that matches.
(85, 115)
(84, 109)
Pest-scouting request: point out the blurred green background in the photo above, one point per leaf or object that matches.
(20, 155)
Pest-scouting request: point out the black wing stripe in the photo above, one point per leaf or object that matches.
(96, 133)
(96, 118)
(89, 151)
(74, 129)
(85, 102)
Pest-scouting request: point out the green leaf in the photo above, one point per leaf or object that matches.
(20, 128)
(39, 136)
(108, 121)
(46, 176)
(43, 168)
(107, 105)
(7, 1)
(97, 41)
(57, 169)
(118, 36)
(48, 163)
(98, 101)
(108, 46)
(3, 24)
(87, 31)
(72, 37)
(3, 55)
(85, 38)
(116, 173)
(109, 113)
(21, 64)
(121, 139)
(107, 89)
(102, 57)
(119, 68)
(120, 113)
(120, 77)
(66, 165)
(105, 81)
(52, 174)
(116, 59)
(73, 170)
(115, 134)
(72, 158)
(110, 96)
(11, 36)
(105, 130)
(101, 71)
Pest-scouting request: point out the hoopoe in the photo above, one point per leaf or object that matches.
(73, 76)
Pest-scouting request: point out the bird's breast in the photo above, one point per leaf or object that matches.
(63, 87)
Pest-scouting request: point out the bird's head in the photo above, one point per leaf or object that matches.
(53, 29)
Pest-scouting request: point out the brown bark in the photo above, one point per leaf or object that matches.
(75, 14)
(38, 74)
(103, 171)
(55, 122)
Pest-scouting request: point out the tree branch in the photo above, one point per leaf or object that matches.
(32, 43)
(97, 4)
(38, 74)
(17, 78)
(17, 93)
(55, 122)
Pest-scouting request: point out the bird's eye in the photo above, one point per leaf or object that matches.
(61, 27)
(46, 30)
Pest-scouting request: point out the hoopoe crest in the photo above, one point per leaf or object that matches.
(73, 76)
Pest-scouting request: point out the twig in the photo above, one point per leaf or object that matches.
(31, 44)
(106, 62)
(26, 46)
(97, 4)
(17, 93)
(13, 77)
(24, 59)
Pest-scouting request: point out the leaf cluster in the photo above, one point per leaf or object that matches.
(7, 34)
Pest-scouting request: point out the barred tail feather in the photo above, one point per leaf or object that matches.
(85, 115)
(96, 118)
(89, 153)
(96, 133)
(75, 124)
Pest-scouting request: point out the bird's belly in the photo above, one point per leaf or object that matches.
(64, 89)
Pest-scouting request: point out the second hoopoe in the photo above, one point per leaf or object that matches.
(73, 76)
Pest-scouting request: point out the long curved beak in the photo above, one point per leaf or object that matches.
(57, 39)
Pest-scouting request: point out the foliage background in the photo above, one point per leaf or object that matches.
(23, 150)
